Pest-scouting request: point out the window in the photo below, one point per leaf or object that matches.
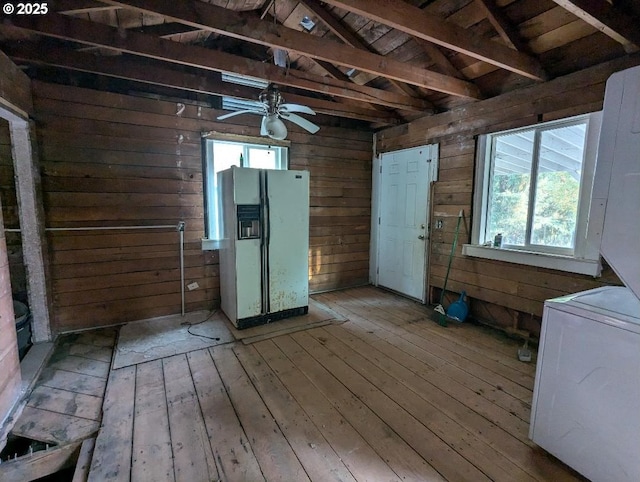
(533, 186)
(221, 155)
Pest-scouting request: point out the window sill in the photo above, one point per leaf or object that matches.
(541, 260)
(211, 244)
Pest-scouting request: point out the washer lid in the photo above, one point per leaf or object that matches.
(616, 305)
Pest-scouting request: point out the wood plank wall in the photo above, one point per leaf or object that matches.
(10, 215)
(15, 89)
(505, 294)
(112, 160)
(9, 364)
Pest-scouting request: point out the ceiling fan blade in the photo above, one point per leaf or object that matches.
(296, 108)
(301, 121)
(238, 112)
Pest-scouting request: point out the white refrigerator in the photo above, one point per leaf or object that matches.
(586, 400)
(264, 255)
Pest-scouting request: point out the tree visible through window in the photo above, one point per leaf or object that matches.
(534, 186)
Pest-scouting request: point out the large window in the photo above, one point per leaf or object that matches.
(221, 155)
(533, 187)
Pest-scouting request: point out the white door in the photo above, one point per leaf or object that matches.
(404, 206)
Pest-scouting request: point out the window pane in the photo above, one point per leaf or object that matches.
(263, 158)
(558, 186)
(225, 156)
(222, 155)
(509, 195)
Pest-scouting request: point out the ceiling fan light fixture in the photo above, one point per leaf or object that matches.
(275, 128)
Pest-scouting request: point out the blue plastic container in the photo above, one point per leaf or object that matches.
(458, 310)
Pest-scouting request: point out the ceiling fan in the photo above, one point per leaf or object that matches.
(273, 109)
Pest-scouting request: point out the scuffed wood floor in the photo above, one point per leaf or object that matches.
(65, 405)
(388, 395)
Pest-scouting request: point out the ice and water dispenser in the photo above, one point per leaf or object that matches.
(248, 221)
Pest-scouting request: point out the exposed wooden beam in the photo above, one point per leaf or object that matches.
(15, 91)
(336, 27)
(80, 6)
(412, 20)
(266, 8)
(329, 68)
(250, 28)
(347, 36)
(164, 30)
(140, 71)
(621, 27)
(332, 70)
(501, 24)
(91, 33)
(438, 58)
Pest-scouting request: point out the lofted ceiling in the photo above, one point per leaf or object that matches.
(384, 62)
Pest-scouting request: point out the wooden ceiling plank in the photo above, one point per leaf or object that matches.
(347, 36)
(250, 28)
(339, 29)
(163, 30)
(501, 23)
(438, 58)
(418, 23)
(139, 71)
(621, 27)
(90, 33)
(71, 7)
(293, 21)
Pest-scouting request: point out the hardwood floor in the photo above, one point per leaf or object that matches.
(66, 404)
(387, 395)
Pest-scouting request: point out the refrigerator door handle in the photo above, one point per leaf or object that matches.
(264, 242)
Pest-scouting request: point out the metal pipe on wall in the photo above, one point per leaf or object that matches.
(179, 227)
(103, 228)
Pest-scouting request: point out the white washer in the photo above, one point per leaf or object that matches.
(586, 401)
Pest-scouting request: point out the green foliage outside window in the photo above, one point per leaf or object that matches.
(555, 212)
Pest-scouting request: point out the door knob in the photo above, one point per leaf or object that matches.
(421, 236)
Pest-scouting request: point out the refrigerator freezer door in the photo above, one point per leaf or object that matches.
(247, 260)
(288, 239)
(249, 294)
(240, 260)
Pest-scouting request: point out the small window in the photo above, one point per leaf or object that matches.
(533, 188)
(221, 155)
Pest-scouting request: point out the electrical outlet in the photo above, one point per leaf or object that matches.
(193, 286)
(439, 224)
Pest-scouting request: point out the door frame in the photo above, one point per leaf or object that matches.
(376, 192)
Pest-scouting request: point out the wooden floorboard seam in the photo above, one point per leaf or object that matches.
(386, 395)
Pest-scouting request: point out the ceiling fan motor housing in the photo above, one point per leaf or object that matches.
(272, 98)
(273, 109)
